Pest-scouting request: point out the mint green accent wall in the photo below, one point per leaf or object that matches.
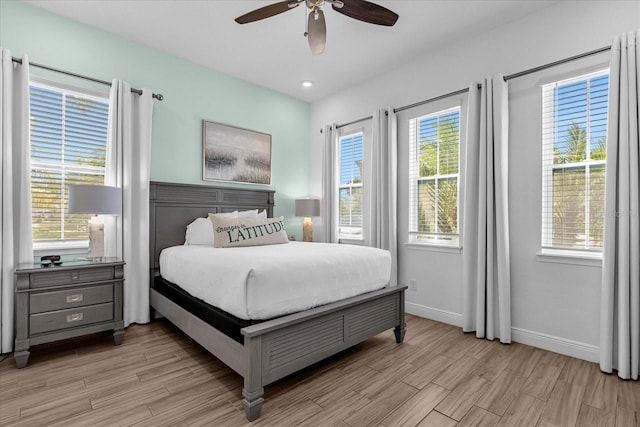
(192, 93)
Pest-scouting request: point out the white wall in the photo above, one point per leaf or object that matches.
(554, 306)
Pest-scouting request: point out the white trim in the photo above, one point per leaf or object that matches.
(359, 242)
(571, 257)
(60, 247)
(414, 167)
(436, 314)
(350, 187)
(58, 166)
(568, 347)
(432, 247)
(549, 135)
(547, 342)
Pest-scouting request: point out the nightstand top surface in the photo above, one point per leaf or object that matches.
(79, 263)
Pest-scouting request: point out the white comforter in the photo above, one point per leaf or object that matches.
(261, 282)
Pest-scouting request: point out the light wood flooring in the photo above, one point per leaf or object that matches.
(437, 377)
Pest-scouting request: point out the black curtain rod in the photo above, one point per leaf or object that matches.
(553, 64)
(354, 122)
(436, 98)
(509, 77)
(157, 96)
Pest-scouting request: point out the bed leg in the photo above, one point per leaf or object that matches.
(399, 333)
(252, 402)
(253, 390)
(400, 329)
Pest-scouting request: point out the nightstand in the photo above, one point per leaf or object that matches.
(73, 299)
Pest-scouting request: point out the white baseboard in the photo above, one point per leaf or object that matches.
(436, 314)
(564, 346)
(580, 350)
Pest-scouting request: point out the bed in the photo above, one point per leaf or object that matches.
(261, 351)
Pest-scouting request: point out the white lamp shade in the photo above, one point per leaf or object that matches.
(95, 199)
(307, 207)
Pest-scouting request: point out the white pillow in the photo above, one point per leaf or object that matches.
(242, 214)
(248, 214)
(200, 231)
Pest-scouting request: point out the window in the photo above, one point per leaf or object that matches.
(68, 146)
(350, 149)
(434, 152)
(574, 130)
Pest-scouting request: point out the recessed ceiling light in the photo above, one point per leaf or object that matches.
(306, 83)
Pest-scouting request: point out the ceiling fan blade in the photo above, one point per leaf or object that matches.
(267, 11)
(365, 11)
(316, 31)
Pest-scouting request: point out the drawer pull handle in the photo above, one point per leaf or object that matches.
(75, 298)
(76, 317)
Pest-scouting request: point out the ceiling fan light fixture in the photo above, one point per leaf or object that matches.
(316, 27)
(316, 32)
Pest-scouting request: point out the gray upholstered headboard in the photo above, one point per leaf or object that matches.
(173, 206)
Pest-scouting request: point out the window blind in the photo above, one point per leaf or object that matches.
(434, 155)
(574, 131)
(350, 188)
(68, 145)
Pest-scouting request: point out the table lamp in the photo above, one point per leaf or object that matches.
(95, 200)
(307, 208)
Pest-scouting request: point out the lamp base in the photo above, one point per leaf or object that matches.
(96, 238)
(307, 230)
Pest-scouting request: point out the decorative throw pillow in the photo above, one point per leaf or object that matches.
(200, 231)
(232, 232)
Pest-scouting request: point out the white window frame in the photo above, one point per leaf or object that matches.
(350, 237)
(62, 247)
(549, 252)
(448, 240)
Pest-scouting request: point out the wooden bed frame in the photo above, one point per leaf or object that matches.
(276, 348)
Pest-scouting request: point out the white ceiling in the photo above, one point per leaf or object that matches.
(274, 53)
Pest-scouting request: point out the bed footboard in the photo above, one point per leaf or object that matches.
(277, 348)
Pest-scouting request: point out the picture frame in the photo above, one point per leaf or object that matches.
(234, 154)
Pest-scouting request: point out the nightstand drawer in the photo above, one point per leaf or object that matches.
(69, 298)
(66, 277)
(71, 318)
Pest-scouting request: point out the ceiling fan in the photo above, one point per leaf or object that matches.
(316, 31)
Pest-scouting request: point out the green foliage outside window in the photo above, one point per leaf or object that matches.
(573, 192)
(439, 148)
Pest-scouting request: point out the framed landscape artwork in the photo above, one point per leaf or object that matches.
(234, 154)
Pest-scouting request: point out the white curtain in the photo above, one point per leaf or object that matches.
(486, 288)
(381, 177)
(128, 166)
(620, 303)
(329, 181)
(16, 238)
